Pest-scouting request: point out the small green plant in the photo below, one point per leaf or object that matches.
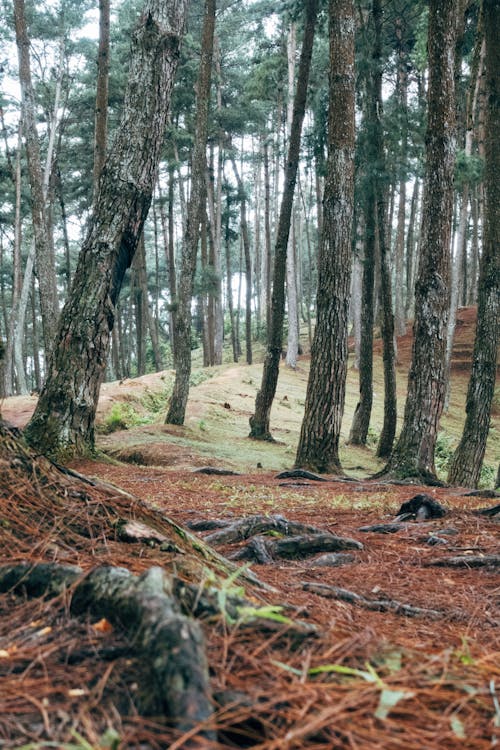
(372, 437)
(122, 416)
(443, 453)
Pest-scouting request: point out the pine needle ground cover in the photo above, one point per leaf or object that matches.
(361, 678)
(394, 644)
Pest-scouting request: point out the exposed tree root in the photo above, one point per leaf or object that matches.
(244, 528)
(377, 605)
(264, 550)
(146, 610)
(467, 561)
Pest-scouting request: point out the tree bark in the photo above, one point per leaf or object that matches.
(383, 223)
(318, 447)
(413, 455)
(64, 417)
(197, 205)
(259, 422)
(467, 460)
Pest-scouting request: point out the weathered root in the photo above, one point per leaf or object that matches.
(384, 528)
(467, 561)
(490, 512)
(264, 550)
(377, 605)
(216, 471)
(244, 528)
(145, 609)
(301, 474)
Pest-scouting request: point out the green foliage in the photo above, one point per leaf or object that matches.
(468, 169)
(122, 416)
(443, 453)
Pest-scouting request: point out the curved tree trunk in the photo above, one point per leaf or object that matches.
(468, 458)
(197, 206)
(320, 433)
(413, 455)
(259, 422)
(64, 416)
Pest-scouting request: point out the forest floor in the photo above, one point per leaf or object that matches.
(405, 649)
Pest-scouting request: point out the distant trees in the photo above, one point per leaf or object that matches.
(232, 286)
(260, 421)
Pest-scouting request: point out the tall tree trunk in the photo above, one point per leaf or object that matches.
(229, 286)
(467, 461)
(8, 362)
(267, 285)
(292, 346)
(45, 261)
(318, 447)
(402, 94)
(248, 261)
(101, 100)
(259, 422)
(463, 220)
(65, 413)
(197, 206)
(362, 413)
(411, 250)
(140, 296)
(383, 229)
(413, 455)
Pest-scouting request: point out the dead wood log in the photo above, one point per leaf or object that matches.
(377, 605)
(145, 610)
(466, 561)
(244, 528)
(264, 550)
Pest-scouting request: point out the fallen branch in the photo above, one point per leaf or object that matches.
(145, 610)
(377, 605)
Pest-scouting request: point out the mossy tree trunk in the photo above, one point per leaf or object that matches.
(64, 417)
